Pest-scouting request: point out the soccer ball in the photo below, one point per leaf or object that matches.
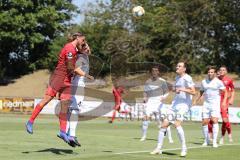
(138, 11)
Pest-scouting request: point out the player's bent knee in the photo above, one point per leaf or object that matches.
(177, 123)
(214, 120)
(205, 121)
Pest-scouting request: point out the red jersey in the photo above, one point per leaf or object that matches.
(228, 83)
(117, 95)
(61, 75)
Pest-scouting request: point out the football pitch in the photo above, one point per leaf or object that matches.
(103, 141)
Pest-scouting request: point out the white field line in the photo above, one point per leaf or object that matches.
(162, 157)
(174, 149)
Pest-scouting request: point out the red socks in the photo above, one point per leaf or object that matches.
(210, 127)
(228, 127)
(35, 113)
(223, 128)
(114, 115)
(62, 117)
(63, 121)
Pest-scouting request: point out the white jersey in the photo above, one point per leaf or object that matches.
(183, 98)
(212, 89)
(155, 90)
(78, 82)
(83, 63)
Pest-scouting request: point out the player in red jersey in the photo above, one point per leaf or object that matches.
(60, 82)
(117, 92)
(228, 82)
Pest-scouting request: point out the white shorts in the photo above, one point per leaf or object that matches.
(76, 102)
(77, 96)
(177, 112)
(125, 107)
(163, 111)
(211, 109)
(152, 107)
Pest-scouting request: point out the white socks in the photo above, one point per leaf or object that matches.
(169, 133)
(205, 134)
(144, 128)
(73, 121)
(215, 132)
(161, 135)
(181, 137)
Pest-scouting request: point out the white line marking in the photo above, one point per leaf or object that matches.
(174, 149)
(162, 157)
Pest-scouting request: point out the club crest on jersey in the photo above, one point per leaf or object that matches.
(69, 55)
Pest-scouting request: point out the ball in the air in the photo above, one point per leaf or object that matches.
(138, 11)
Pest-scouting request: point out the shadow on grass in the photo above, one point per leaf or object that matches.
(147, 139)
(108, 151)
(53, 150)
(197, 143)
(168, 153)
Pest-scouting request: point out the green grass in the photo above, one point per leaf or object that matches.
(101, 141)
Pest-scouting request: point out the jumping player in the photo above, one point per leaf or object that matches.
(78, 84)
(60, 82)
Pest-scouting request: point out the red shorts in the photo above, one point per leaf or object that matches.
(64, 92)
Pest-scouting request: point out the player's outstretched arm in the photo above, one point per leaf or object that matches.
(80, 72)
(190, 90)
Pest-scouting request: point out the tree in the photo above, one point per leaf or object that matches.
(201, 32)
(27, 28)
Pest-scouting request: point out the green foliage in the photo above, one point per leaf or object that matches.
(27, 28)
(201, 32)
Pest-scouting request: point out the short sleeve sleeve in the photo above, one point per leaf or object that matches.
(189, 81)
(146, 87)
(201, 87)
(165, 87)
(79, 62)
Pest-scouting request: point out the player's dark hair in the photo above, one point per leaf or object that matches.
(184, 64)
(223, 66)
(155, 66)
(212, 67)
